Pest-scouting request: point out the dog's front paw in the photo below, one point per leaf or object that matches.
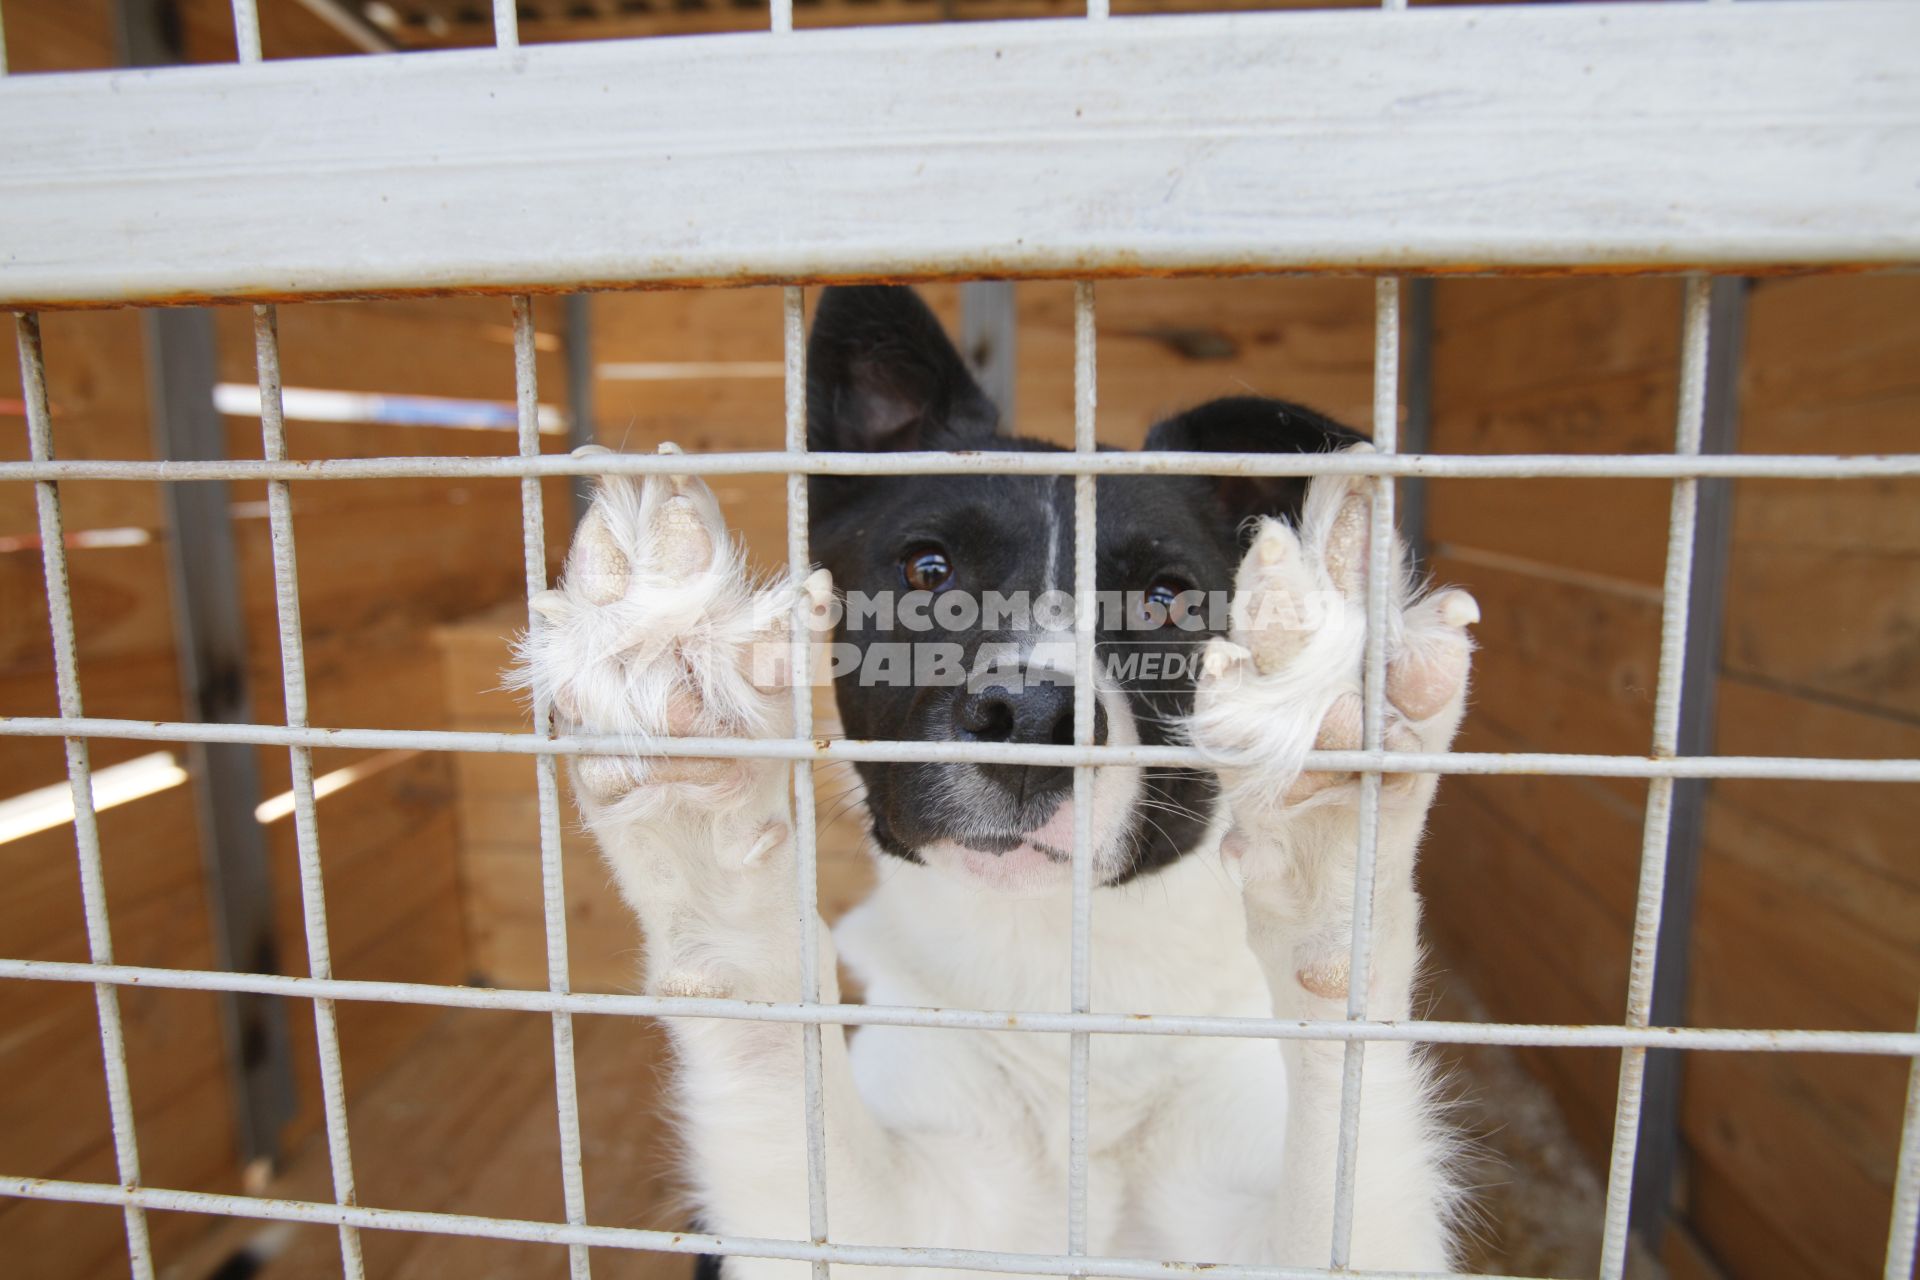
(658, 632)
(1289, 677)
(1288, 681)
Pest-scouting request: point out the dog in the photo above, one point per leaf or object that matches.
(1237, 625)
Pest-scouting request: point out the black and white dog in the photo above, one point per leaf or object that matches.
(1231, 618)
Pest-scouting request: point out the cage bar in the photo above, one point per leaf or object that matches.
(1373, 685)
(1511, 466)
(546, 770)
(86, 827)
(1676, 596)
(1903, 1223)
(806, 861)
(1085, 401)
(306, 821)
(1542, 1035)
(681, 1242)
(246, 30)
(1802, 768)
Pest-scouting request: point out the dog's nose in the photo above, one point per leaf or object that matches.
(1039, 713)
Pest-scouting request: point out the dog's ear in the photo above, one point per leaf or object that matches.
(882, 376)
(1251, 424)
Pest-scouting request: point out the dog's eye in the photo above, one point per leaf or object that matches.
(927, 569)
(1167, 602)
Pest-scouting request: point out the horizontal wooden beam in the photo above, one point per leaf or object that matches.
(1585, 137)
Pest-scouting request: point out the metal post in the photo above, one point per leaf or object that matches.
(1659, 1145)
(210, 632)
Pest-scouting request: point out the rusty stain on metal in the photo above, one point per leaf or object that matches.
(1107, 269)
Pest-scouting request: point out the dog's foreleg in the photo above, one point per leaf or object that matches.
(1288, 681)
(1299, 927)
(657, 632)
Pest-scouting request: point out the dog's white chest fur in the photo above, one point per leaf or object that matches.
(1159, 1105)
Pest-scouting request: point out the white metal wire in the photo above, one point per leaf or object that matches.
(1904, 1222)
(86, 827)
(1666, 742)
(805, 837)
(553, 892)
(1373, 684)
(1798, 768)
(1539, 1035)
(1509, 466)
(460, 1224)
(246, 30)
(306, 820)
(1085, 527)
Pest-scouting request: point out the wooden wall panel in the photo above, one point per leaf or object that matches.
(1530, 882)
(59, 35)
(1809, 911)
(382, 562)
(96, 390)
(1809, 900)
(53, 1113)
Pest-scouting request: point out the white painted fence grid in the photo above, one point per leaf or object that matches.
(1875, 238)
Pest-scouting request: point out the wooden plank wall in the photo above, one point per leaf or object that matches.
(1809, 909)
(1807, 912)
(53, 1115)
(382, 563)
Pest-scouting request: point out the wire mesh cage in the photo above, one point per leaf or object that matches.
(1740, 219)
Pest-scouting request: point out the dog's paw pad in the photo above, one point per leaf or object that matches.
(1348, 543)
(1430, 671)
(1273, 594)
(597, 568)
(1326, 977)
(771, 836)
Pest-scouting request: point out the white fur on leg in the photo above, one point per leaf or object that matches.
(657, 632)
(1290, 681)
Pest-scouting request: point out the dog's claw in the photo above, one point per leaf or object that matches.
(1221, 657)
(770, 837)
(1458, 608)
(1275, 544)
(819, 589)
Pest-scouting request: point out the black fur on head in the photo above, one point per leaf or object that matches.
(882, 376)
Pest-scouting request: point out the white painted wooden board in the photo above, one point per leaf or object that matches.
(1617, 137)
